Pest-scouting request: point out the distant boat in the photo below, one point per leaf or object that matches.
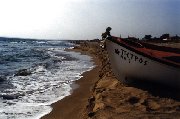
(135, 60)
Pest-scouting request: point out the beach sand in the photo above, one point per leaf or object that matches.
(73, 106)
(101, 96)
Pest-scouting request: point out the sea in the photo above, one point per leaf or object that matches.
(36, 73)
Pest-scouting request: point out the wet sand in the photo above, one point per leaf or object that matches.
(101, 96)
(73, 106)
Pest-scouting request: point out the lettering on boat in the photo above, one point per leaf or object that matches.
(125, 55)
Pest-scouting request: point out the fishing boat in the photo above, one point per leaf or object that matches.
(137, 60)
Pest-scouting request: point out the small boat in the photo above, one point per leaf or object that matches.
(137, 60)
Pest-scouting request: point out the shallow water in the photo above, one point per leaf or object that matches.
(52, 71)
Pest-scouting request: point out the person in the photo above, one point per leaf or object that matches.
(104, 36)
(107, 33)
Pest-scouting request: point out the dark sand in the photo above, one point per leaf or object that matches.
(101, 96)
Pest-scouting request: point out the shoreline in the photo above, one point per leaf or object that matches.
(101, 96)
(72, 106)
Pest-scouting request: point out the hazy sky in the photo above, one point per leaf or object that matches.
(87, 19)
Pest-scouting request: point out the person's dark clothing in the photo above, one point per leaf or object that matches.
(107, 33)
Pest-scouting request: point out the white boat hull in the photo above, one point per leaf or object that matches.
(127, 64)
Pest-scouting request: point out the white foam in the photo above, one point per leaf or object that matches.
(13, 42)
(44, 87)
(40, 42)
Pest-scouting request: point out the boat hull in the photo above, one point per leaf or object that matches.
(128, 65)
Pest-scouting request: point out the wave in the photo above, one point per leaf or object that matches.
(37, 74)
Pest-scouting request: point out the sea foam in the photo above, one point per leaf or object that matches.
(30, 97)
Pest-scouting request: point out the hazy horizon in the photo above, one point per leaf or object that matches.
(87, 19)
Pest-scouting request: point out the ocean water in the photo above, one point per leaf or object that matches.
(50, 72)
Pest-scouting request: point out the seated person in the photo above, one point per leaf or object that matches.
(104, 36)
(107, 33)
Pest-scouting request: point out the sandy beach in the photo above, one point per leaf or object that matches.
(73, 106)
(99, 95)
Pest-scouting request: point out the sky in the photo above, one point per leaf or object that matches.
(88, 19)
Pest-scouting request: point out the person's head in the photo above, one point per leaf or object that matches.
(108, 28)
